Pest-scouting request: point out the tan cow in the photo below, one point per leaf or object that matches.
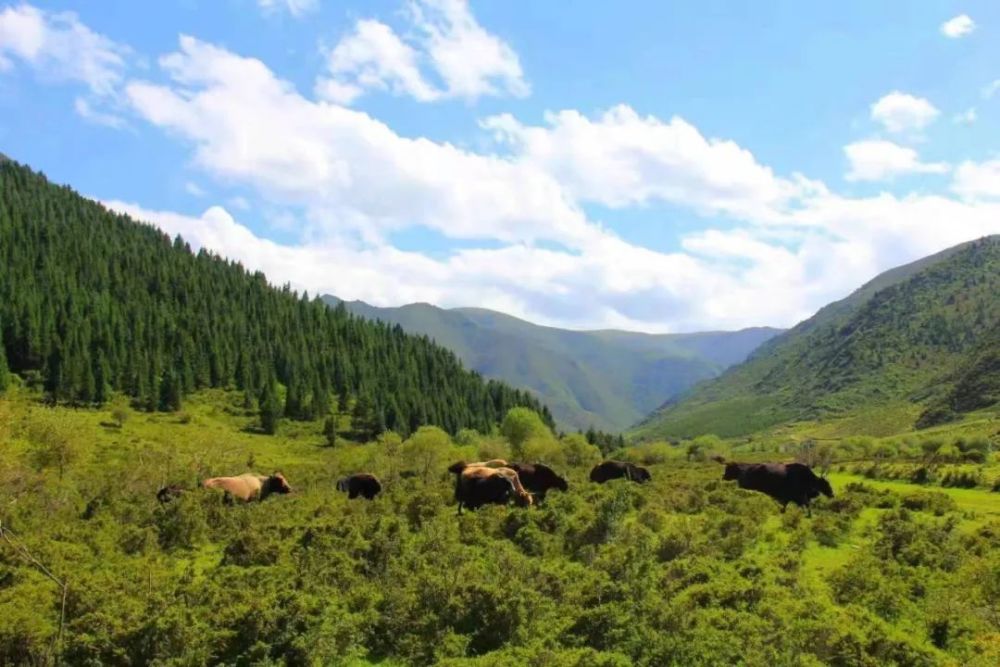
(478, 485)
(462, 465)
(248, 486)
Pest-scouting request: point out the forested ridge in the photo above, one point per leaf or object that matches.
(92, 301)
(908, 336)
(605, 379)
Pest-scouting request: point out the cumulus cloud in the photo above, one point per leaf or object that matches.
(621, 159)
(58, 46)
(901, 112)
(353, 182)
(350, 170)
(978, 180)
(445, 39)
(776, 248)
(374, 57)
(959, 26)
(471, 61)
(296, 8)
(611, 283)
(879, 160)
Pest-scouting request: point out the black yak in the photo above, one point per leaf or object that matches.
(785, 482)
(539, 478)
(609, 470)
(363, 484)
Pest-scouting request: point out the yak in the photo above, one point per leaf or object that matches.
(608, 470)
(785, 482)
(462, 465)
(362, 484)
(476, 486)
(538, 478)
(248, 486)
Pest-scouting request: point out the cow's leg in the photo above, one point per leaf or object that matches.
(352, 494)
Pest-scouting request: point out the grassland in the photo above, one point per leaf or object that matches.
(686, 570)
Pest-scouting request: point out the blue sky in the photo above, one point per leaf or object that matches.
(652, 166)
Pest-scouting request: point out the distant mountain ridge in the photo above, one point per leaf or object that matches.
(606, 379)
(922, 334)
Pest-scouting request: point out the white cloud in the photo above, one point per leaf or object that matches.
(978, 180)
(296, 8)
(991, 89)
(347, 183)
(902, 112)
(445, 38)
(879, 160)
(58, 46)
(621, 159)
(86, 109)
(374, 57)
(350, 171)
(967, 117)
(612, 283)
(471, 61)
(959, 26)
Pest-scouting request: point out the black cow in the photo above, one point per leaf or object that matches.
(609, 470)
(539, 478)
(478, 486)
(362, 484)
(785, 482)
(169, 492)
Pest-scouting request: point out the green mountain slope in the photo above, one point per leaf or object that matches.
(604, 379)
(92, 301)
(913, 334)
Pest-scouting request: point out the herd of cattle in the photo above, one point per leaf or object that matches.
(524, 484)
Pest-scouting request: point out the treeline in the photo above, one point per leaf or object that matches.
(92, 301)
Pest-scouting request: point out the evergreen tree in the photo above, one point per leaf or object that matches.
(4, 373)
(330, 431)
(270, 409)
(92, 302)
(170, 392)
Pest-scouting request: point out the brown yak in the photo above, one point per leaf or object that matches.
(248, 486)
(478, 485)
(462, 465)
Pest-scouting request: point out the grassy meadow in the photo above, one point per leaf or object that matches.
(687, 570)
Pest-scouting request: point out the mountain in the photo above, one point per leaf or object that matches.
(92, 301)
(923, 335)
(602, 379)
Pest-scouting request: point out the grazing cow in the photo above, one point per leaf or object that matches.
(462, 465)
(363, 484)
(476, 486)
(169, 492)
(248, 486)
(609, 470)
(539, 478)
(785, 482)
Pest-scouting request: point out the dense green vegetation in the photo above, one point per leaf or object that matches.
(607, 380)
(924, 335)
(91, 301)
(130, 363)
(686, 570)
